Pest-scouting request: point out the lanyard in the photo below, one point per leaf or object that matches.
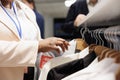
(18, 27)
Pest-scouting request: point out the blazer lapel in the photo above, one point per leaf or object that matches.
(29, 14)
(8, 23)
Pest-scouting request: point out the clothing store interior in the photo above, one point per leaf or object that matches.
(92, 28)
(96, 39)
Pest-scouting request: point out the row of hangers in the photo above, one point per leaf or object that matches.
(97, 24)
(109, 37)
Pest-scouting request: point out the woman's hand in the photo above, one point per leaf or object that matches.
(52, 43)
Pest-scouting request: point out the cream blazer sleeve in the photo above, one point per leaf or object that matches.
(13, 51)
(22, 53)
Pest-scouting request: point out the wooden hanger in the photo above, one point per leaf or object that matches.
(117, 75)
(104, 52)
(98, 49)
(113, 55)
(117, 58)
(92, 47)
(80, 44)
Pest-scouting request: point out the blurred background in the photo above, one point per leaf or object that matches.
(54, 13)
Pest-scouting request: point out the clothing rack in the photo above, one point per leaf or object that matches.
(108, 37)
(95, 28)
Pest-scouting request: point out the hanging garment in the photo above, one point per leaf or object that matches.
(111, 70)
(66, 69)
(91, 70)
(108, 76)
(43, 58)
(61, 60)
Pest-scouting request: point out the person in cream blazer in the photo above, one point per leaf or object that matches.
(18, 51)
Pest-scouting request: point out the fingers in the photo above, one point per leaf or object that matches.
(52, 44)
(55, 48)
(64, 46)
(62, 43)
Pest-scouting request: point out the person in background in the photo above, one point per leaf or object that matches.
(20, 40)
(77, 12)
(39, 17)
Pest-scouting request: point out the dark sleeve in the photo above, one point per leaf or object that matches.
(79, 7)
(69, 21)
